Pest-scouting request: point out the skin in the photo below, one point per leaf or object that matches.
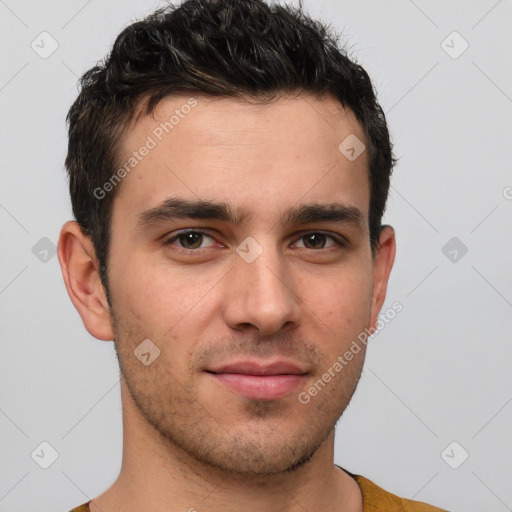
(189, 442)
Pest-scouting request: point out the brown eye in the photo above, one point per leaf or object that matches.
(314, 240)
(188, 239)
(317, 240)
(194, 239)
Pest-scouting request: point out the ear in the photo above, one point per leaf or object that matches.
(382, 265)
(79, 267)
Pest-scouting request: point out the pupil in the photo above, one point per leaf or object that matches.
(191, 238)
(311, 238)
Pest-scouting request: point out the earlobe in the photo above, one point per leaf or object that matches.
(383, 263)
(81, 277)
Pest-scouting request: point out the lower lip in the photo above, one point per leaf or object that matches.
(260, 387)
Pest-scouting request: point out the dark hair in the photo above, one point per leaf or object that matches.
(232, 48)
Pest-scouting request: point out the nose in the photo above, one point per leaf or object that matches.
(261, 294)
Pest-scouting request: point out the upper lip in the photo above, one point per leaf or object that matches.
(247, 367)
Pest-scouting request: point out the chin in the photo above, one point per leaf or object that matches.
(263, 458)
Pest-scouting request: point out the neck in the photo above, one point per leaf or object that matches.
(156, 475)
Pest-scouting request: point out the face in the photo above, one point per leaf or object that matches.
(245, 313)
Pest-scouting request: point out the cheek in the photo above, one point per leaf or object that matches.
(154, 301)
(146, 286)
(343, 304)
(162, 298)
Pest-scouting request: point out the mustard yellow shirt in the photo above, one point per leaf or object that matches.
(375, 499)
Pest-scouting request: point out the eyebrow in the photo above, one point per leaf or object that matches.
(179, 208)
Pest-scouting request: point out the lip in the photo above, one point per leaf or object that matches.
(259, 380)
(254, 367)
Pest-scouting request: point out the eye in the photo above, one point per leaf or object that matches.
(317, 239)
(189, 240)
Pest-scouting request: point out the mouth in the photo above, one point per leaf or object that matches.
(259, 381)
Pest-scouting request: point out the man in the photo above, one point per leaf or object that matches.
(229, 168)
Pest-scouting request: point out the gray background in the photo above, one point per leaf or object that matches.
(438, 373)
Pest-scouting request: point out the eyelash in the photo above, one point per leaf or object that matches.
(168, 241)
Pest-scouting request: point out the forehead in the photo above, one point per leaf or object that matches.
(268, 154)
(207, 120)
